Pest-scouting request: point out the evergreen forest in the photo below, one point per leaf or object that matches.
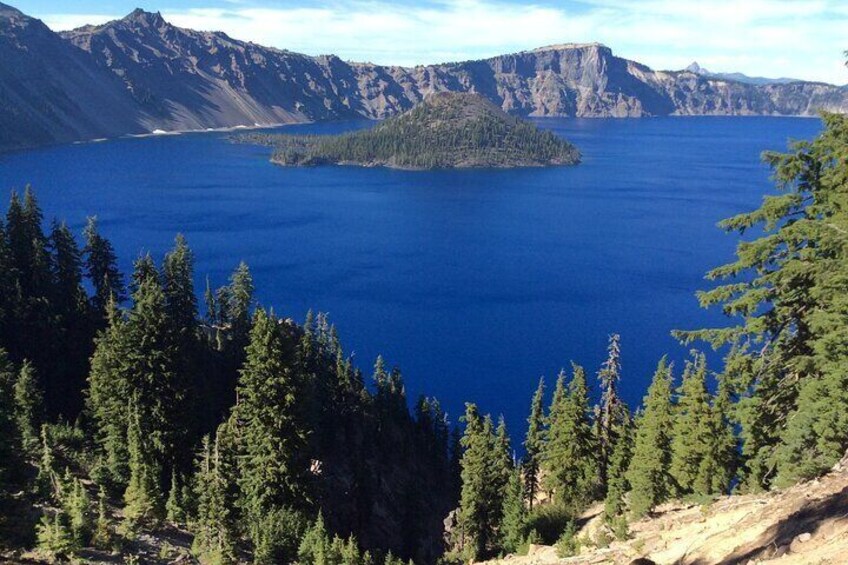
(134, 406)
(445, 130)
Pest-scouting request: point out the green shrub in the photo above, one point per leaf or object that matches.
(620, 527)
(568, 543)
(549, 521)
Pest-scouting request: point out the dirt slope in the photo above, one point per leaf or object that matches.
(805, 524)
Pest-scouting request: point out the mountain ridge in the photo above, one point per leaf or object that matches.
(140, 73)
(742, 77)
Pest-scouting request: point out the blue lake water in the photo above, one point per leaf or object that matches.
(475, 283)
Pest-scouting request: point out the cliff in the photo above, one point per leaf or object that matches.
(140, 74)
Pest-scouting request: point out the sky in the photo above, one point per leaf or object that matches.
(802, 39)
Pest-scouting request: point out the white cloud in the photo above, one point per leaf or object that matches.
(796, 38)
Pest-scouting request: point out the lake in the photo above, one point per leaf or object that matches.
(475, 283)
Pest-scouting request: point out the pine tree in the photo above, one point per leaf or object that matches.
(533, 444)
(178, 286)
(54, 536)
(214, 542)
(101, 268)
(718, 467)
(142, 499)
(212, 315)
(11, 449)
(182, 322)
(503, 460)
(110, 386)
(72, 328)
(174, 507)
(315, 546)
(45, 480)
(569, 460)
(788, 288)
(77, 506)
(102, 536)
(239, 304)
(648, 474)
(477, 528)
(514, 523)
(9, 298)
(151, 367)
(617, 483)
(29, 406)
(691, 431)
(274, 461)
(28, 245)
(613, 414)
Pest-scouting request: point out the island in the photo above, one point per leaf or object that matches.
(447, 130)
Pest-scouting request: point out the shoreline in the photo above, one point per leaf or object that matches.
(226, 129)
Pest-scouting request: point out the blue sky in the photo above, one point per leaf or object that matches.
(795, 38)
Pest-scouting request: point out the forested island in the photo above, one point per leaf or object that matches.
(447, 130)
(135, 427)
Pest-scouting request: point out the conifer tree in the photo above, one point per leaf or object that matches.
(29, 406)
(69, 298)
(613, 416)
(151, 367)
(178, 286)
(648, 474)
(11, 452)
(503, 456)
(214, 542)
(28, 246)
(617, 483)
(102, 537)
(569, 460)
(54, 536)
(143, 498)
(239, 304)
(718, 466)
(101, 268)
(109, 388)
(477, 535)
(691, 432)
(45, 480)
(274, 461)
(72, 328)
(788, 289)
(514, 522)
(315, 546)
(182, 322)
(534, 444)
(174, 506)
(9, 298)
(77, 506)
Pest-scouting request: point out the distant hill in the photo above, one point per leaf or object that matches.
(446, 130)
(139, 74)
(738, 77)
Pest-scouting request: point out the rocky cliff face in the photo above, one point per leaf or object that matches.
(52, 92)
(141, 73)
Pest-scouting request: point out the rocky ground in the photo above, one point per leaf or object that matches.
(805, 524)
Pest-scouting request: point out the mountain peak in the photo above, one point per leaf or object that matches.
(7, 11)
(140, 16)
(696, 68)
